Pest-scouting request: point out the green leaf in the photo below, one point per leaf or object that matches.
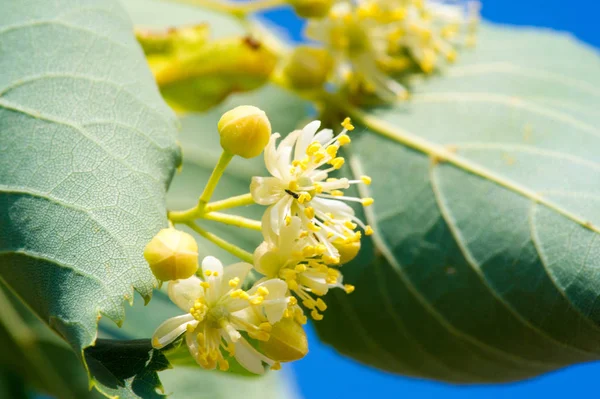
(484, 264)
(126, 368)
(88, 150)
(35, 357)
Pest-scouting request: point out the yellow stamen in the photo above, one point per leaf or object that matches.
(348, 288)
(316, 315)
(332, 260)
(368, 230)
(344, 139)
(313, 227)
(200, 338)
(308, 251)
(263, 291)
(223, 365)
(321, 305)
(337, 193)
(313, 148)
(367, 201)
(347, 124)
(309, 212)
(276, 366)
(205, 285)
(337, 163)
(332, 151)
(349, 225)
(234, 282)
(366, 180)
(320, 249)
(304, 197)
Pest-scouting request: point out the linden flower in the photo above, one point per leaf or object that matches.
(357, 45)
(299, 186)
(426, 29)
(371, 39)
(218, 310)
(291, 256)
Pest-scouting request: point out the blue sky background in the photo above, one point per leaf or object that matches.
(325, 374)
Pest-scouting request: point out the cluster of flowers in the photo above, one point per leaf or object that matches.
(309, 231)
(371, 40)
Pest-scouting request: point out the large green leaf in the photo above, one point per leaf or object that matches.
(88, 150)
(484, 264)
(35, 358)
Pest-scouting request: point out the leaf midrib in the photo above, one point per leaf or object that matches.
(440, 154)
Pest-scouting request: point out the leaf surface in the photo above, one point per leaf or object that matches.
(484, 264)
(88, 150)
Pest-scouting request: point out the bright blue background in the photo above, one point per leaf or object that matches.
(325, 374)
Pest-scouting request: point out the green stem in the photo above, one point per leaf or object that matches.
(226, 245)
(233, 202)
(233, 220)
(214, 178)
(194, 213)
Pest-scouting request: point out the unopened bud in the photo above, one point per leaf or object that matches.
(245, 131)
(172, 255)
(311, 8)
(287, 342)
(347, 251)
(308, 67)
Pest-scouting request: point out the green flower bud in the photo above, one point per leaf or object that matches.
(287, 341)
(308, 68)
(172, 255)
(245, 131)
(311, 8)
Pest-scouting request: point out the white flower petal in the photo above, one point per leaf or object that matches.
(306, 137)
(275, 302)
(289, 234)
(271, 155)
(192, 343)
(267, 260)
(315, 281)
(284, 154)
(239, 270)
(338, 208)
(324, 136)
(170, 329)
(212, 265)
(278, 212)
(249, 357)
(184, 293)
(267, 228)
(266, 190)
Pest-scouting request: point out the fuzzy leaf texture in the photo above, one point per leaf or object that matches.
(88, 150)
(484, 264)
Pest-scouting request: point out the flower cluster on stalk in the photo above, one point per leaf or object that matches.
(373, 40)
(309, 231)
